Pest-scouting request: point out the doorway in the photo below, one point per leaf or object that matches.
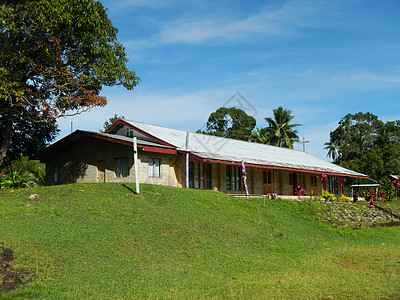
(292, 182)
(267, 182)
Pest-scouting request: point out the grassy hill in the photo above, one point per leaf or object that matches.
(101, 241)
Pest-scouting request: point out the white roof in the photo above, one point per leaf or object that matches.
(224, 149)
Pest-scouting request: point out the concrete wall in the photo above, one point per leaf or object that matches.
(79, 162)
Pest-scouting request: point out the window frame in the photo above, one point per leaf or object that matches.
(200, 175)
(121, 167)
(314, 180)
(58, 173)
(154, 170)
(234, 178)
(332, 185)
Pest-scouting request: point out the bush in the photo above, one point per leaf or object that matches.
(15, 180)
(328, 196)
(23, 173)
(343, 198)
(387, 187)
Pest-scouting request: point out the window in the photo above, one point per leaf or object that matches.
(121, 167)
(290, 178)
(154, 167)
(200, 175)
(267, 177)
(333, 185)
(57, 173)
(129, 132)
(314, 180)
(233, 178)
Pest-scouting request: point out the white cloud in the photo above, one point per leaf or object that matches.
(187, 111)
(273, 21)
(368, 77)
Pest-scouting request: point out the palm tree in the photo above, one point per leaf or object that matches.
(332, 150)
(279, 132)
(259, 136)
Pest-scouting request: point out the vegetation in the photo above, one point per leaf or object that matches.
(327, 196)
(230, 122)
(29, 138)
(23, 173)
(101, 241)
(279, 131)
(365, 144)
(107, 124)
(55, 58)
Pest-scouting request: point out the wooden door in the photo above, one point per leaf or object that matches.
(101, 170)
(291, 182)
(267, 182)
(314, 185)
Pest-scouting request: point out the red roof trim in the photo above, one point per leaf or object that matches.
(111, 128)
(109, 139)
(158, 150)
(225, 162)
(144, 148)
(120, 121)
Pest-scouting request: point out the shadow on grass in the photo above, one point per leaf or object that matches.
(128, 188)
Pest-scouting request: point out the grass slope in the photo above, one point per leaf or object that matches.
(101, 241)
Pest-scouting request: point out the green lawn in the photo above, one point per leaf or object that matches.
(101, 241)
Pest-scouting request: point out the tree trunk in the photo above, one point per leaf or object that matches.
(8, 130)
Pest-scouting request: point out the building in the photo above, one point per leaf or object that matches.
(179, 158)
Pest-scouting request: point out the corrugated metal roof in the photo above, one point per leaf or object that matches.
(128, 139)
(218, 148)
(77, 134)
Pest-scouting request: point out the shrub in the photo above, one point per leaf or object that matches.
(343, 198)
(23, 173)
(328, 196)
(15, 180)
(387, 187)
(300, 191)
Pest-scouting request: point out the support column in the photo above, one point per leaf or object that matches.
(135, 163)
(187, 161)
(245, 179)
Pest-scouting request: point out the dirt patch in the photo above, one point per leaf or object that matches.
(11, 279)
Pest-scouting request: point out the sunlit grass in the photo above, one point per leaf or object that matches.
(101, 241)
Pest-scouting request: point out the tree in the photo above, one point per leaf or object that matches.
(332, 150)
(55, 57)
(29, 138)
(367, 145)
(279, 131)
(231, 123)
(259, 135)
(107, 124)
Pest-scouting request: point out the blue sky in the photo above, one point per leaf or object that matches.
(320, 59)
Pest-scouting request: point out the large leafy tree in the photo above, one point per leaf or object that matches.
(279, 131)
(366, 144)
(230, 122)
(55, 57)
(29, 138)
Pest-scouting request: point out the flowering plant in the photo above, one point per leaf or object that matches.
(323, 177)
(299, 190)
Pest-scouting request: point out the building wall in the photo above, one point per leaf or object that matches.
(79, 164)
(79, 161)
